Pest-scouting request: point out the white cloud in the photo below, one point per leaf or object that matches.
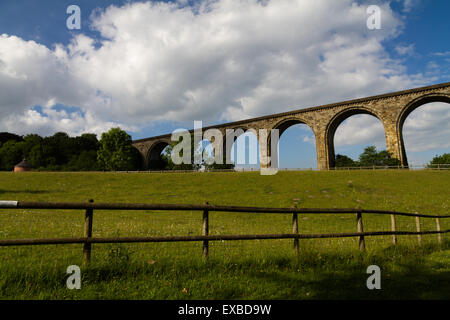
(427, 128)
(360, 129)
(408, 5)
(222, 60)
(441, 54)
(30, 75)
(403, 50)
(50, 121)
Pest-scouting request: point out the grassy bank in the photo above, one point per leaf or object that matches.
(257, 269)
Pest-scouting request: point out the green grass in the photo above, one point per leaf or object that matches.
(256, 269)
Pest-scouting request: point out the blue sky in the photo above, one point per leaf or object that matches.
(90, 79)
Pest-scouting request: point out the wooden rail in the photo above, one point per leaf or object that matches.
(90, 206)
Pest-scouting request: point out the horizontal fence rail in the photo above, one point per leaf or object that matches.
(206, 208)
(255, 169)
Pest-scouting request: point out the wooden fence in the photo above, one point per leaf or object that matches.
(90, 206)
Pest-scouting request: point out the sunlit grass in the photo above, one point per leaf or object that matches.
(256, 269)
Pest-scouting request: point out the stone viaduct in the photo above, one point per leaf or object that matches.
(391, 109)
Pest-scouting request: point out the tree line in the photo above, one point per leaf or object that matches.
(371, 157)
(60, 152)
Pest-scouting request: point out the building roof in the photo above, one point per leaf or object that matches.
(23, 164)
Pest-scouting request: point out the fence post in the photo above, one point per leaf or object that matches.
(419, 236)
(438, 228)
(393, 228)
(362, 244)
(205, 232)
(88, 234)
(295, 231)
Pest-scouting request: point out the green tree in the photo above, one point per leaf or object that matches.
(343, 161)
(116, 151)
(371, 157)
(87, 142)
(219, 166)
(58, 149)
(438, 160)
(6, 136)
(85, 161)
(11, 153)
(36, 156)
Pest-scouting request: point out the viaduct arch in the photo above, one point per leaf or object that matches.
(391, 109)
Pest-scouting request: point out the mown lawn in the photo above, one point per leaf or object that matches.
(256, 269)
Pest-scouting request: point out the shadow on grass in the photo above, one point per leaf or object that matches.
(406, 273)
(26, 191)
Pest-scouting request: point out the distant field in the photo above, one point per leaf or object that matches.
(257, 269)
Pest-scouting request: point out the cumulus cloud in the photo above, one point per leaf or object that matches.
(50, 120)
(360, 129)
(427, 128)
(215, 61)
(31, 74)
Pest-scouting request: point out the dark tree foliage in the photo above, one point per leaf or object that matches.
(369, 158)
(344, 161)
(438, 160)
(6, 136)
(11, 153)
(57, 152)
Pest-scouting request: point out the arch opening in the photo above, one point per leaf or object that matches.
(297, 145)
(425, 131)
(156, 157)
(244, 151)
(350, 134)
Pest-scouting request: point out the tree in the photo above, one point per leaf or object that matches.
(220, 166)
(116, 151)
(6, 136)
(87, 142)
(11, 153)
(36, 156)
(344, 161)
(438, 160)
(58, 149)
(370, 157)
(85, 161)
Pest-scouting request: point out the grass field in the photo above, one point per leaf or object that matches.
(256, 269)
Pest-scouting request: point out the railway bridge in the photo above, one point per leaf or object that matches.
(391, 109)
